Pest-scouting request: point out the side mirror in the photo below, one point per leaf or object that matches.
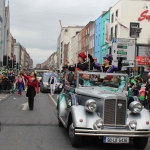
(70, 77)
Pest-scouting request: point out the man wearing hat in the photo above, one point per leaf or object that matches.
(107, 65)
(81, 65)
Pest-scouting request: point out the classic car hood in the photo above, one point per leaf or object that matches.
(99, 92)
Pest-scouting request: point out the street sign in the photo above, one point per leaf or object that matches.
(125, 49)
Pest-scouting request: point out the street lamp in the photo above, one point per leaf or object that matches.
(138, 30)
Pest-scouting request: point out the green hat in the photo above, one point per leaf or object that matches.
(4, 72)
(139, 76)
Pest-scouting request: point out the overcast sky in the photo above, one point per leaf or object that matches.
(35, 23)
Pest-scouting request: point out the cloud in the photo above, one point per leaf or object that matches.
(35, 23)
(39, 55)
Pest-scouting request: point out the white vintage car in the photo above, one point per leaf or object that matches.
(99, 107)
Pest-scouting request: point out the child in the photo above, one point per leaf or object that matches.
(20, 82)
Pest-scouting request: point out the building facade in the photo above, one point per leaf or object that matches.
(83, 32)
(97, 47)
(125, 18)
(64, 38)
(88, 38)
(5, 45)
(91, 39)
(17, 52)
(104, 36)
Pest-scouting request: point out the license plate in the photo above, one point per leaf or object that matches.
(116, 139)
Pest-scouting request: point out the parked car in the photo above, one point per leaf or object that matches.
(100, 108)
(44, 85)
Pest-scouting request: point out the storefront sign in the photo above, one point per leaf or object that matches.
(144, 16)
(125, 49)
(143, 60)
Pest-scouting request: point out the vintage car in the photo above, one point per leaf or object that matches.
(97, 105)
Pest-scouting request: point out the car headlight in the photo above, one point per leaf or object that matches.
(135, 107)
(90, 105)
(133, 124)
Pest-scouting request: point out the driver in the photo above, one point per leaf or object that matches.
(85, 80)
(107, 65)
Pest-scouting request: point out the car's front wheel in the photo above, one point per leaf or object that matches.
(76, 141)
(140, 142)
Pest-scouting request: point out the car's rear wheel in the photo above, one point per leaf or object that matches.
(140, 142)
(76, 141)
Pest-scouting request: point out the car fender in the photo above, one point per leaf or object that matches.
(82, 118)
(62, 105)
(142, 119)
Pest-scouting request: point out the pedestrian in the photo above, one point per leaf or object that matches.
(21, 83)
(32, 89)
(52, 81)
(142, 94)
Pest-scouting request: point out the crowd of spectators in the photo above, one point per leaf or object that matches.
(140, 87)
(7, 78)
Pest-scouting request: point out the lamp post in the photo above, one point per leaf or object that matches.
(138, 30)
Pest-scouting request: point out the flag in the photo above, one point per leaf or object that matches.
(121, 24)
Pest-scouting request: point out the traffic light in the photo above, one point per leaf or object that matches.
(17, 66)
(4, 60)
(14, 64)
(141, 69)
(10, 63)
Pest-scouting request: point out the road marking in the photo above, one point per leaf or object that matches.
(52, 99)
(25, 106)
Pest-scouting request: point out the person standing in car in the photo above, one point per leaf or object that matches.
(52, 81)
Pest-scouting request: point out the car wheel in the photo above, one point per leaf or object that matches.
(76, 141)
(140, 142)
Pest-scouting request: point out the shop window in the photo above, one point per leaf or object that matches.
(112, 18)
(133, 27)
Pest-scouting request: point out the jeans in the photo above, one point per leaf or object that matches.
(20, 86)
(52, 87)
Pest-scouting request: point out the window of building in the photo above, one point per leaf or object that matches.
(116, 13)
(133, 27)
(93, 42)
(88, 30)
(116, 31)
(96, 41)
(111, 32)
(112, 18)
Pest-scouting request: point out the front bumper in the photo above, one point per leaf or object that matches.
(110, 133)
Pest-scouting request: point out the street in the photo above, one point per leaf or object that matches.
(22, 129)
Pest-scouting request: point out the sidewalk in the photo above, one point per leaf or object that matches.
(3, 96)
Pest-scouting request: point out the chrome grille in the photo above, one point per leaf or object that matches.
(109, 111)
(114, 113)
(121, 112)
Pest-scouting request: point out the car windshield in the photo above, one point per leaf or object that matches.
(112, 82)
(45, 78)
